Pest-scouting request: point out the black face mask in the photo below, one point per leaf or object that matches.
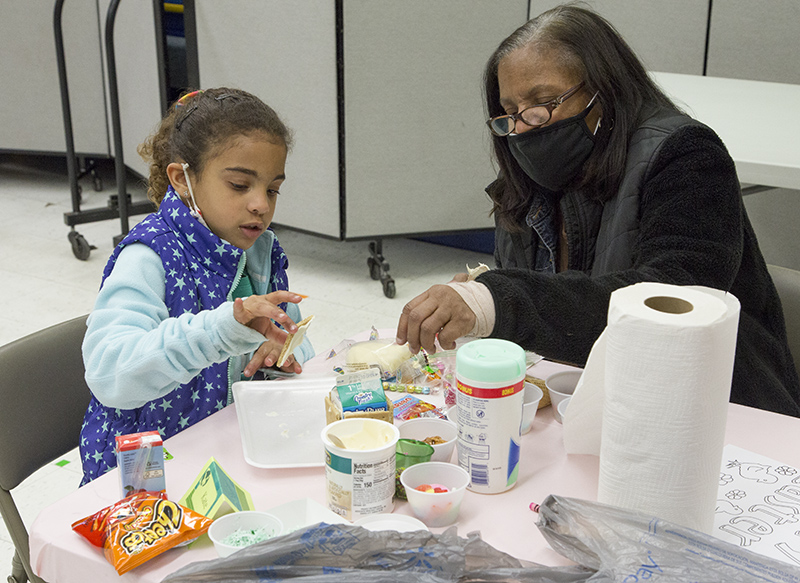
(553, 155)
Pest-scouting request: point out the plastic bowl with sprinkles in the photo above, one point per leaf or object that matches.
(238, 530)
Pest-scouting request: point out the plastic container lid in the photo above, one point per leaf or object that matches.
(491, 360)
(280, 421)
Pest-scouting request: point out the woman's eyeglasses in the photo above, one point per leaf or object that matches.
(533, 116)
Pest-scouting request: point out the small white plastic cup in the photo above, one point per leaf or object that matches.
(424, 427)
(246, 521)
(561, 410)
(435, 509)
(560, 386)
(530, 404)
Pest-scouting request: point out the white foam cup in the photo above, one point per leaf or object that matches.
(561, 385)
(530, 404)
(561, 410)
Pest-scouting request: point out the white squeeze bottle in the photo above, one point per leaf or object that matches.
(490, 375)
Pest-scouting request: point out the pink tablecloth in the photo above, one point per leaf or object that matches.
(504, 520)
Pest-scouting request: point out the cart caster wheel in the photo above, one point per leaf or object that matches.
(80, 248)
(374, 268)
(388, 289)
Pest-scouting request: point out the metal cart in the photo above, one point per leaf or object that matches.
(119, 204)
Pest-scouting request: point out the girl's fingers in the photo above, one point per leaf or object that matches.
(260, 307)
(239, 313)
(291, 365)
(254, 364)
(264, 357)
(280, 296)
(275, 334)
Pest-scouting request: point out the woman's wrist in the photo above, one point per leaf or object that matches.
(479, 299)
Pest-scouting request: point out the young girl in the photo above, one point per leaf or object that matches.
(194, 288)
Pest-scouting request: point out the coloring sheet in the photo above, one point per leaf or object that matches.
(758, 505)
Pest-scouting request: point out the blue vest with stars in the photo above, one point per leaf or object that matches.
(200, 271)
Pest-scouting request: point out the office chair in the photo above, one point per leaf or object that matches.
(787, 282)
(44, 398)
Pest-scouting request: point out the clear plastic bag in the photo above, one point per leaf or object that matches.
(344, 552)
(608, 544)
(626, 546)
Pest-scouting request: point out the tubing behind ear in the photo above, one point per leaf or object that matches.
(193, 209)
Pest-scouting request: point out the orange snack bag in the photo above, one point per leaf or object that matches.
(140, 527)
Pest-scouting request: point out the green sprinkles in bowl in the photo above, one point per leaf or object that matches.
(247, 537)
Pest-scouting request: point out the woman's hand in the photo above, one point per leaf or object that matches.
(441, 312)
(267, 355)
(258, 312)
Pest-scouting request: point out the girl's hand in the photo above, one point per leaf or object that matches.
(258, 312)
(267, 355)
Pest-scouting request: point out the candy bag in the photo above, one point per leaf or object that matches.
(140, 527)
(410, 407)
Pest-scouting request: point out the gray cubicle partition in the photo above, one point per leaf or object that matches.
(30, 103)
(385, 99)
(759, 41)
(284, 51)
(43, 42)
(667, 36)
(31, 113)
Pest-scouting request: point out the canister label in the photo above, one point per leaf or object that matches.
(490, 393)
(488, 434)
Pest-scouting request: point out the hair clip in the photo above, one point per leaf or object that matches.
(189, 111)
(225, 96)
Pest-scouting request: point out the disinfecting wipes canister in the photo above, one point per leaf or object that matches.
(360, 478)
(490, 374)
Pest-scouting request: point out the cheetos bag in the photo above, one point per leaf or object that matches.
(140, 527)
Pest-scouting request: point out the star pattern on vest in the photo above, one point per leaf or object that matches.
(201, 268)
(199, 278)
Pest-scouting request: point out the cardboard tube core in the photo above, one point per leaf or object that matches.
(668, 305)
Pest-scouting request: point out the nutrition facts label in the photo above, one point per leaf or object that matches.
(359, 488)
(372, 483)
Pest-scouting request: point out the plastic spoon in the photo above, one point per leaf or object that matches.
(336, 441)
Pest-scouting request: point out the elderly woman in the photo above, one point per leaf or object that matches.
(603, 183)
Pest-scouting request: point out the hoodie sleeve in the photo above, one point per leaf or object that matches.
(135, 352)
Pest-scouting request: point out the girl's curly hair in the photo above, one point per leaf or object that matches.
(199, 125)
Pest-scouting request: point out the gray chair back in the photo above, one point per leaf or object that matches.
(44, 398)
(787, 282)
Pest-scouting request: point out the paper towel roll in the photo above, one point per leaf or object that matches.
(653, 400)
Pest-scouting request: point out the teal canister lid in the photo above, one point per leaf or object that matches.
(491, 360)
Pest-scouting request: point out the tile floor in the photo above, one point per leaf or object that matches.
(43, 284)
